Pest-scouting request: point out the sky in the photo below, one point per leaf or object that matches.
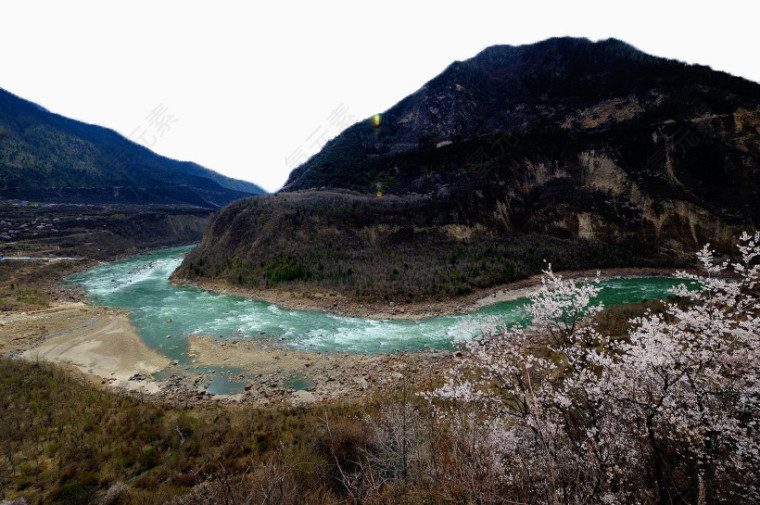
(250, 89)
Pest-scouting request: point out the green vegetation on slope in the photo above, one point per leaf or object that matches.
(397, 249)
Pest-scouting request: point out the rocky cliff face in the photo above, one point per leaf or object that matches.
(590, 154)
(569, 137)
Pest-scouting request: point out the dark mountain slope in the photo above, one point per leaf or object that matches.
(584, 154)
(556, 99)
(48, 157)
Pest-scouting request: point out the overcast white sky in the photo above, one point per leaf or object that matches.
(250, 88)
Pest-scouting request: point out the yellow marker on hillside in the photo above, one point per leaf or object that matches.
(376, 120)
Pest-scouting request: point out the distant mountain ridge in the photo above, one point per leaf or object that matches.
(585, 154)
(48, 157)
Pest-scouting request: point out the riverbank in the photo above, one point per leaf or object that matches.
(102, 344)
(273, 376)
(98, 341)
(303, 297)
(224, 367)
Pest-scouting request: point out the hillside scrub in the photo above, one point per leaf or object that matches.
(62, 440)
(401, 249)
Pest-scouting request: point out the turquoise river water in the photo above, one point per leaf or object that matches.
(141, 284)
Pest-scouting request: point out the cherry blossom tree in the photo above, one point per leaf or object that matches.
(690, 379)
(544, 394)
(668, 414)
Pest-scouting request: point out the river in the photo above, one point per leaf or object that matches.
(166, 315)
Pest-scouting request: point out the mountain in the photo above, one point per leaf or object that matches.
(585, 154)
(51, 158)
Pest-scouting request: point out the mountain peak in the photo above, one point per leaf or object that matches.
(514, 90)
(564, 50)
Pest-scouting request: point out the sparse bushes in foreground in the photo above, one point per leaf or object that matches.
(62, 440)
